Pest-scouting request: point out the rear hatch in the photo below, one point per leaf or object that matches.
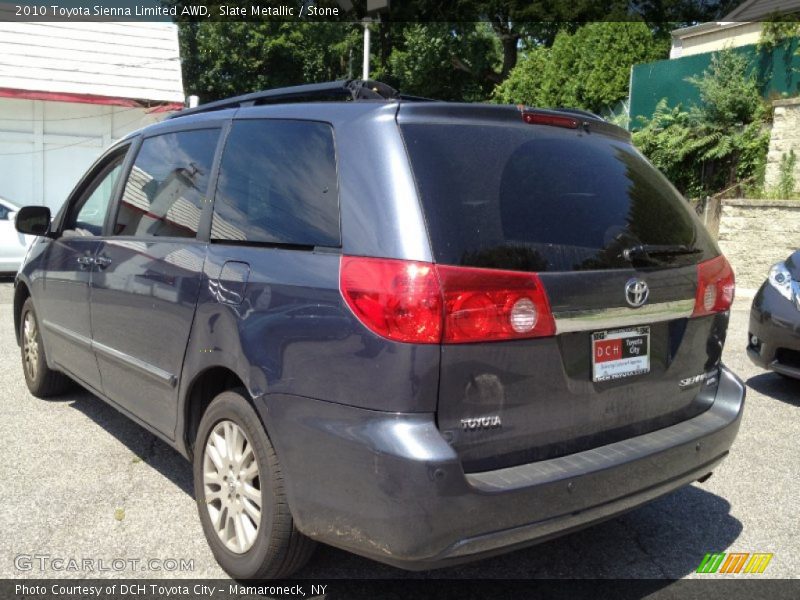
(568, 198)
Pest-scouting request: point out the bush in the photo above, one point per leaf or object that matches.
(717, 144)
(588, 69)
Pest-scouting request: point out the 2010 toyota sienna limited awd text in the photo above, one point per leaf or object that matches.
(420, 331)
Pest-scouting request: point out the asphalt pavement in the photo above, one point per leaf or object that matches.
(80, 481)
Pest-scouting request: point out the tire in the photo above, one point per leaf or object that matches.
(262, 546)
(41, 380)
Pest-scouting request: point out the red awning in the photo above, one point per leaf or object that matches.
(89, 99)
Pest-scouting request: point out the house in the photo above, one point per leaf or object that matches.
(70, 89)
(740, 27)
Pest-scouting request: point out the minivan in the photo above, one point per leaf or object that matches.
(420, 331)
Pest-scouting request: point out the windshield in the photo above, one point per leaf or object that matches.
(545, 199)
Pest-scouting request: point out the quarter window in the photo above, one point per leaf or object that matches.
(167, 185)
(277, 184)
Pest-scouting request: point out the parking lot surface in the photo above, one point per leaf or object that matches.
(81, 481)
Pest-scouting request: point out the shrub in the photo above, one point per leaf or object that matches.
(718, 143)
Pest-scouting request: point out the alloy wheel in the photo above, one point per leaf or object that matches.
(30, 345)
(232, 486)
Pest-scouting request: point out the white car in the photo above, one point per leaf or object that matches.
(13, 245)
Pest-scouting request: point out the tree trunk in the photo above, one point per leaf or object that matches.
(510, 50)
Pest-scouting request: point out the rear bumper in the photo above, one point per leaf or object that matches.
(389, 487)
(775, 321)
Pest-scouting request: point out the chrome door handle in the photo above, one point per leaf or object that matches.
(102, 261)
(86, 260)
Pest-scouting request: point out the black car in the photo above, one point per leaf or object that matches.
(424, 332)
(774, 333)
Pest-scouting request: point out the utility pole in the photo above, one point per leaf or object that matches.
(365, 68)
(374, 7)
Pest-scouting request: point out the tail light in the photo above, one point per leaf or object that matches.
(424, 303)
(537, 118)
(400, 300)
(483, 305)
(715, 287)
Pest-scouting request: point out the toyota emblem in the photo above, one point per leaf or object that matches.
(636, 292)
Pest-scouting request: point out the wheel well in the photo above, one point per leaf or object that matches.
(207, 386)
(21, 294)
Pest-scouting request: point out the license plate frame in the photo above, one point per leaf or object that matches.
(620, 353)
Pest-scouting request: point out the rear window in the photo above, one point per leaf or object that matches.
(545, 199)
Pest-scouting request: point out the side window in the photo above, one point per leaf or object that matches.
(167, 185)
(87, 215)
(4, 212)
(277, 184)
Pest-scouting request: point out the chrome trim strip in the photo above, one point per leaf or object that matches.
(152, 371)
(569, 321)
(68, 334)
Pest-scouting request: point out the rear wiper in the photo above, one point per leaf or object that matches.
(648, 250)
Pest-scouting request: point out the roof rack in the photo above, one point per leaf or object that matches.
(348, 89)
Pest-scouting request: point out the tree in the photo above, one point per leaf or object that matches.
(228, 58)
(444, 61)
(588, 69)
(454, 49)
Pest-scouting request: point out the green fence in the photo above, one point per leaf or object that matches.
(777, 70)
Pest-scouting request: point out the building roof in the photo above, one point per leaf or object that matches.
(139, 61)
(762, 10)
(748, 11)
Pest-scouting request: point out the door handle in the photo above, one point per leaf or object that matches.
(102, 261)
(86, 260)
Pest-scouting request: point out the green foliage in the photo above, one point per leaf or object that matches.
(587, 69)
(444, 61)
(228, 58)
(786, 181)
(523, 86)
(728, 91)
(415, 50)
(718, 143)
(776, 32)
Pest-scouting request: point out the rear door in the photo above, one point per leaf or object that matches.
(578, 206)
(148, 272)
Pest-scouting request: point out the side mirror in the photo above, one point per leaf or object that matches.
(33, 220)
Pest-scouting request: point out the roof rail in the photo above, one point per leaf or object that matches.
(348, 89)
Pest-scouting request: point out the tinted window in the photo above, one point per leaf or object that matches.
(4, 212)
(544, 199)
(87, 215)
(277, 184)
(165, 189)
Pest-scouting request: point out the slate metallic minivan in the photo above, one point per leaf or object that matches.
(423, 332)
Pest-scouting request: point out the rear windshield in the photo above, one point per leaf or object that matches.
(546, 199)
